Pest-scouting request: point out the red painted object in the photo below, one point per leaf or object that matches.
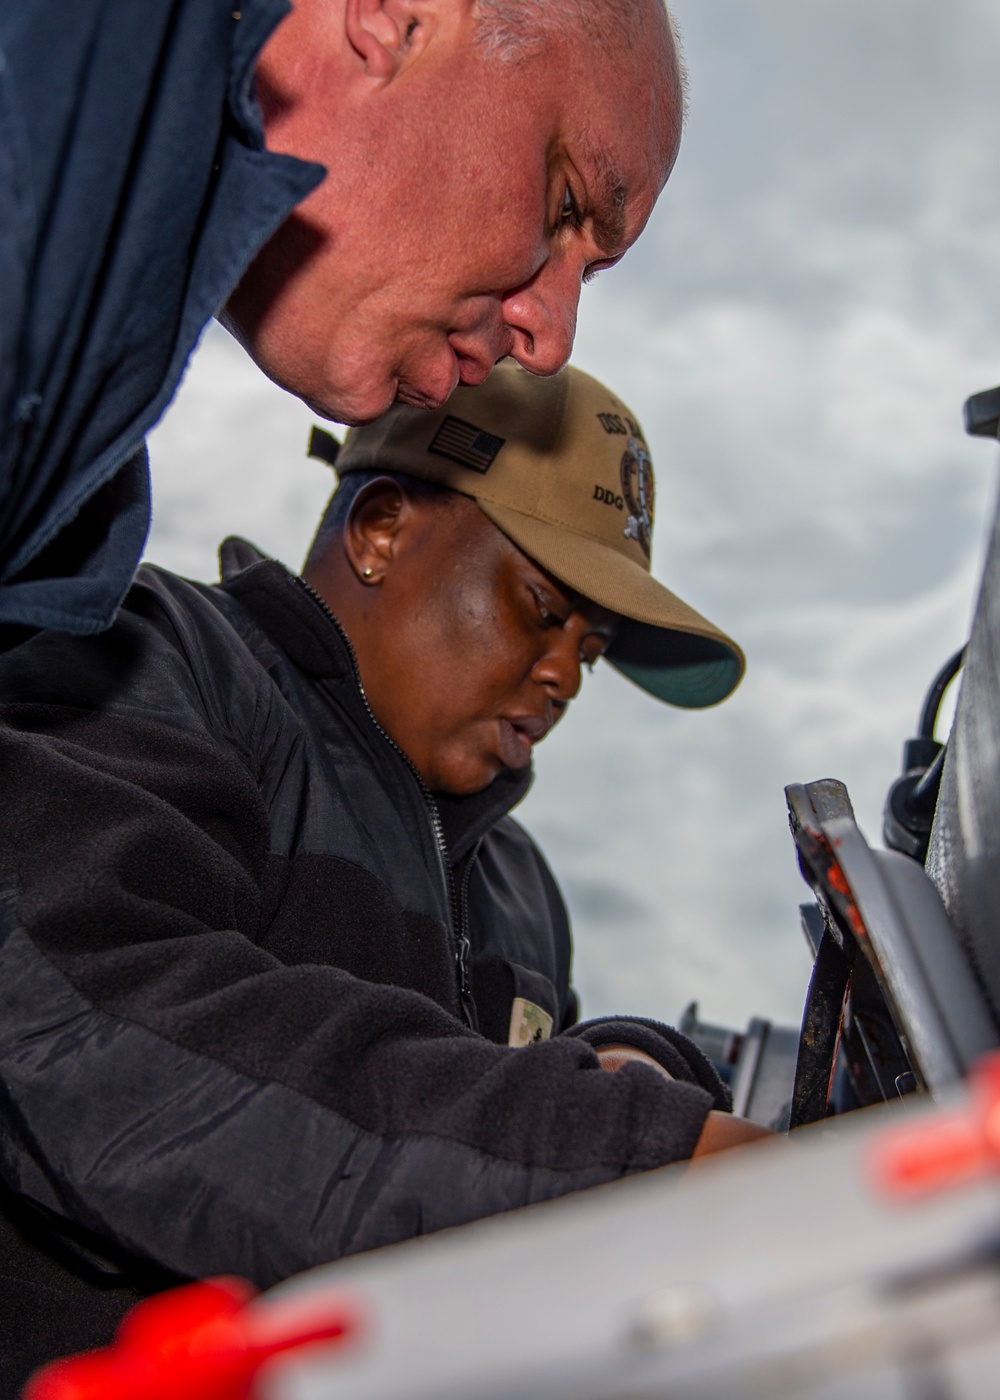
(199, 1342)
(947, 1148)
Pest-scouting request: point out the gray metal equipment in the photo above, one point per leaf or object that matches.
(905, 992)
(964, 855)
(758, 1064)
(785, 1274)
(890, 975)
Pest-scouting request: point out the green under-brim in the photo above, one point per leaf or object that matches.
(682, 669)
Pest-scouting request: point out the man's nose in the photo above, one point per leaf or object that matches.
(541, 316)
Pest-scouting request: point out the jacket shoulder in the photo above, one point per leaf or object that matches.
(178, 651)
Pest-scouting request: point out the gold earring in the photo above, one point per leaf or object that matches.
(367, 572)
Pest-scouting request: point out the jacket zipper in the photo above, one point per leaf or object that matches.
(456, 908)
(464, 947)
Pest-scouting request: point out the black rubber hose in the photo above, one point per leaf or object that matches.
(941, 682)
(923, 797)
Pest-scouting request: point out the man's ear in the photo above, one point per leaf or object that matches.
(384, 32)
(373, 523)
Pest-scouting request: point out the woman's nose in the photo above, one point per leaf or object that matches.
(559, 668)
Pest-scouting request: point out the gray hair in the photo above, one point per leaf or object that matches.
(512, 29)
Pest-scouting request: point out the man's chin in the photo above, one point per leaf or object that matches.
(352, 409)
(364, 392)
(357, 408)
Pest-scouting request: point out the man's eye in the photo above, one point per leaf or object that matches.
(569, 214)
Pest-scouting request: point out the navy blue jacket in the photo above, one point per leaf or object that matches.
(134, 191)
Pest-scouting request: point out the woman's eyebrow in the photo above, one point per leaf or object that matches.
(549, 592)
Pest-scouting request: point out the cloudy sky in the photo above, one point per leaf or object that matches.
(815, 296)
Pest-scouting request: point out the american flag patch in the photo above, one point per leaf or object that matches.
(466, 444)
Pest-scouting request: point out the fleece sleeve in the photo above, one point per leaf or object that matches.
(172, 1086)
(669, 1047)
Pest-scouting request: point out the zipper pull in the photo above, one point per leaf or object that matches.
(462, 950)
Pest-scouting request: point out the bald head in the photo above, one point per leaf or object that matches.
(626, 31)
(511, 29)
(468, 195)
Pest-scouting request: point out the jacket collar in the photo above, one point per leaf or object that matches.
(296, 621)
(287, 611)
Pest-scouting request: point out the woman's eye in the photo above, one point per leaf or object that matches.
(546, 616)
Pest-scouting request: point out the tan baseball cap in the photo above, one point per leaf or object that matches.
(561, 466)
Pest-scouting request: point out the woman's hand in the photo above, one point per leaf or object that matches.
(615, 1057)
(721, 1132)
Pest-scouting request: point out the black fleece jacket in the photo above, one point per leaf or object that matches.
(232, 928)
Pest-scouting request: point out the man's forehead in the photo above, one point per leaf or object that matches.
(633, 153)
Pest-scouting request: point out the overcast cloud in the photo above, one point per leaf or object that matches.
(813, 299)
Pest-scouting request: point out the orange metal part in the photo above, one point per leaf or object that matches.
(947, 1148)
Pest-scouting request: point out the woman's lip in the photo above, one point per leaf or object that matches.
(532, 725)
(517, 737)
(515, 745)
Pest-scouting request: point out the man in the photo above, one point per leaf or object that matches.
(456, 167)
(268, 933)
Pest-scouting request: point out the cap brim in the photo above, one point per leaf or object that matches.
(664, 646)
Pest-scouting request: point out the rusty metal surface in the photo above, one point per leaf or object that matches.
(913, 1011)
(820, 1035)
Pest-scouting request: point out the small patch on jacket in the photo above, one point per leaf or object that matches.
(528, 1023)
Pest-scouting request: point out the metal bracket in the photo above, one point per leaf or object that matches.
(883, 906)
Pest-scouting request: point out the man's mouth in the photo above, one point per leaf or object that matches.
(472, 372)
(435, 384)
(478, 352)
(517, 736)
(464, 359)
(414, 397)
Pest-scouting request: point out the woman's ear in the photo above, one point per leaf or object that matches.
(372, 528)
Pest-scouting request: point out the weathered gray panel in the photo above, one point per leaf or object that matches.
(964, 855)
